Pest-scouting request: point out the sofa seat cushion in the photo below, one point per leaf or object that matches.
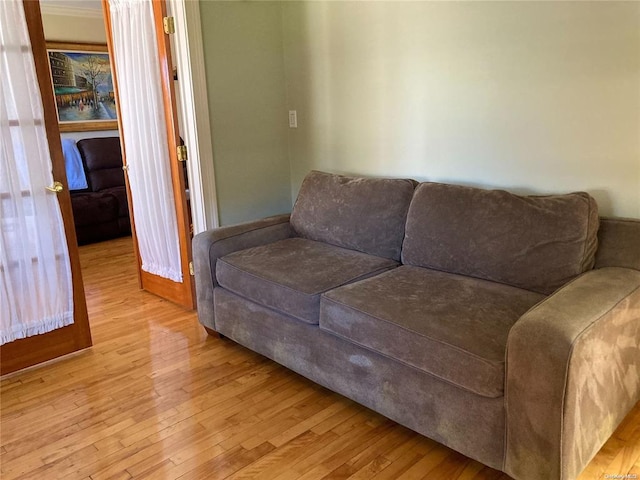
(451, 326)
(290, 275)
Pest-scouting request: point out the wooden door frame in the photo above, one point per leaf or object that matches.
(173, 136)
(195, 113)
(30, 351)
(183, 292)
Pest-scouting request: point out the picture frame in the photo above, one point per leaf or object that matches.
(83, 86)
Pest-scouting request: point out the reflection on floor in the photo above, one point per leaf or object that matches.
(156, 398)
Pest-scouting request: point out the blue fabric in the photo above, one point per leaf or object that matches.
(73, 163)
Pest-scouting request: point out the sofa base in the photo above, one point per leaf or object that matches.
(466, 422)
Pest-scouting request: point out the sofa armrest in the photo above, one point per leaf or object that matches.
(573, 364)
(215, 243)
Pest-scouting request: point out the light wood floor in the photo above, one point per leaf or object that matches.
(156, 398)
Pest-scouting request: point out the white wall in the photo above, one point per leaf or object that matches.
(534, 97)
(70, 26)
(91, 134)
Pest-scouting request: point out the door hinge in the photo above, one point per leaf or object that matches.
(169, 24)
(182, 153)
(191, 271)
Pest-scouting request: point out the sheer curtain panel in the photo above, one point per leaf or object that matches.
(36, 294)
(145, 136)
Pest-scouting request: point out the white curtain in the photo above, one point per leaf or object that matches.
(145, 136)
(36, 294)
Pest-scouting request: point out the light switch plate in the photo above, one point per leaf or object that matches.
(293, 119)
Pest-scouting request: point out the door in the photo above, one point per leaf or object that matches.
(39, 348)
(181, 292)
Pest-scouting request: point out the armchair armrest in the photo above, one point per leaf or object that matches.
(573, 364)
(215, 243)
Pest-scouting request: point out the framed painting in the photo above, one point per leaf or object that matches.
(83, 86)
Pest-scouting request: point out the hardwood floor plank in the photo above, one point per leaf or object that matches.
(224, 465)
(300, 467)
(158, 398)
(371, 469)
(279, 459)
(55, 470)
(451, 467)
(376, 450)
(284, 436)
(401, 463)
(425, 465)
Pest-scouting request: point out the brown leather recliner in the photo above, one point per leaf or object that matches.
(101, 211)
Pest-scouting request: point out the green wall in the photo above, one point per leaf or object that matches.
(247, 104)
(534, 97)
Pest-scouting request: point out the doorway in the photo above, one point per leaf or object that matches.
(195, 161)
(59, 20)
(76, 41)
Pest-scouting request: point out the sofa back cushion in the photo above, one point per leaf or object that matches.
(102, 159)
(618, 243)
(533, 242)
(363, 214)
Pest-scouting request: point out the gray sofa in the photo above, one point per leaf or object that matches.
(505, 327)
